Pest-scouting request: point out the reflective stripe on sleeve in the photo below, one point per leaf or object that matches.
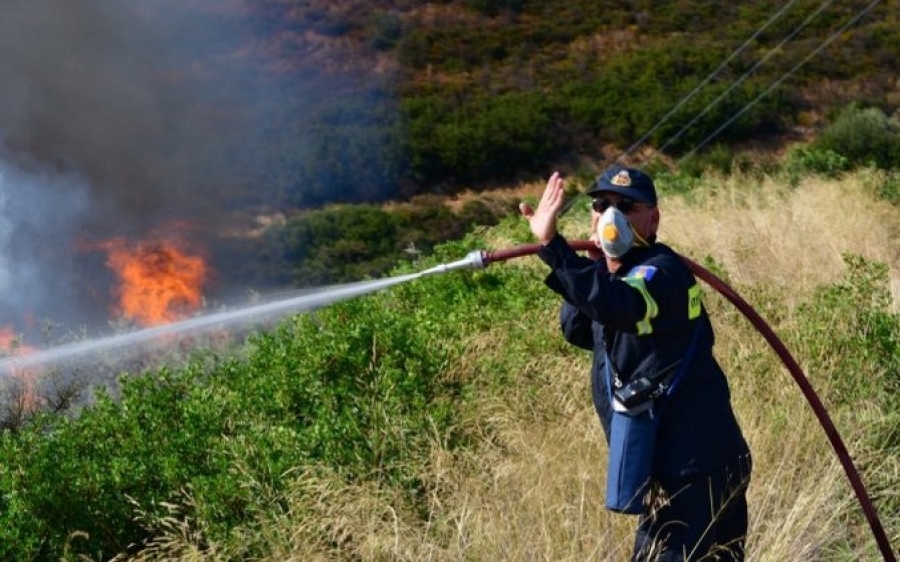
(643, 326)
(695, 305)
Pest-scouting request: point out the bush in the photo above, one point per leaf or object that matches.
(851, 339)
(804, 160)
(863, 136)
(62, 476)
(359, 388)
(354, 242)
(491, 138)
(889, 188)
(855, 334)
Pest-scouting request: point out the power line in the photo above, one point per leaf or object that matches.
(778, 82)
(568, 205)
(747, 74)
(706, 81)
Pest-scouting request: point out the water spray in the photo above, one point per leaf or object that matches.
(481, 259)
(122, 344)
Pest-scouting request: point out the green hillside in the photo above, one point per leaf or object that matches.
(404, 101)
(438, 97)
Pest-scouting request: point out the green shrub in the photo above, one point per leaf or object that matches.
(344, 145)
(360, 388)
(354, 242)
(864, 136)
(680, 182)
(853, 333)
(851, 340)
(889, 188)
(804, 160)
(481, 139)
(719, 159)
(66, 475)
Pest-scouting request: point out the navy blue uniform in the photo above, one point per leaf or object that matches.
(644, 317)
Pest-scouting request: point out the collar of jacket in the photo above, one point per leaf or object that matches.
(633, 257)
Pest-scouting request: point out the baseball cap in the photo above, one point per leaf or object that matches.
(629, 182)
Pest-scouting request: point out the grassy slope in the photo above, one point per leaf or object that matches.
(557, 81)
(534, 488)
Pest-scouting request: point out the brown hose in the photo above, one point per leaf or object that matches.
(818, 408)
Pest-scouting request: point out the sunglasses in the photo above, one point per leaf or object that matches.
(624, 204)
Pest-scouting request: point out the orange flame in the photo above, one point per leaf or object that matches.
(160, 282)
(10, 343)
(11, 346)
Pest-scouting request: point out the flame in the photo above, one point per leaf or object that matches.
(10, 342)
(159, 280)
(11, 346)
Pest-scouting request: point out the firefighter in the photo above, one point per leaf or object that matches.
(677, 456)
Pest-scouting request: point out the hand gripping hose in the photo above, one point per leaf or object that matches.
(481, 259)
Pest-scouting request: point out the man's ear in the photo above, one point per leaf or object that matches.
(654, 220)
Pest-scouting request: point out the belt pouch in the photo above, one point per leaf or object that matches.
(632, 441)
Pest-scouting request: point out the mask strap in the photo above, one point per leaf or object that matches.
(638, 239)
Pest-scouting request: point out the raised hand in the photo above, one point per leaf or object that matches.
(543, 219)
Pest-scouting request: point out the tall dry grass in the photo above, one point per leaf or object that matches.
(765, 232)
(542, 497)
(536, 489)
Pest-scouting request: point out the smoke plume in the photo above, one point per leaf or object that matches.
(126, 94)
(115, 117)
(119, 118)
(38, 214)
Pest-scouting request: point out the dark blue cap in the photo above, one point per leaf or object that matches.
(629, 182)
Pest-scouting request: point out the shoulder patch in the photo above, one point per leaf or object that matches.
(644, 272)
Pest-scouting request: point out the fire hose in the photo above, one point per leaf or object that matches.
(480, 259)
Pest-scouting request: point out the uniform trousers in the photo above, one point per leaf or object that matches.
(702, 517)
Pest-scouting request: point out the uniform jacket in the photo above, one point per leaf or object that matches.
(645, 316)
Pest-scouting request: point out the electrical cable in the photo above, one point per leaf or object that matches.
(743, 110)
(695, 91)
(747, 74)
(706, 81)
(783, 77)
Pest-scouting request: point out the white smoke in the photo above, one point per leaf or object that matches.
(143, 99)
(39, 217)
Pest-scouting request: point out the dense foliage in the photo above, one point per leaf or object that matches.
(356, 241)
(351, 242)
(468, 93)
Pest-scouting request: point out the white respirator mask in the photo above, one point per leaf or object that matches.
(615, 232)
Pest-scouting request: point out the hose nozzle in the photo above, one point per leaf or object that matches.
(473, 260)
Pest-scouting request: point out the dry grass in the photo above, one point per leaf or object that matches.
(542, 498)
(536, 490)
(766, 233)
